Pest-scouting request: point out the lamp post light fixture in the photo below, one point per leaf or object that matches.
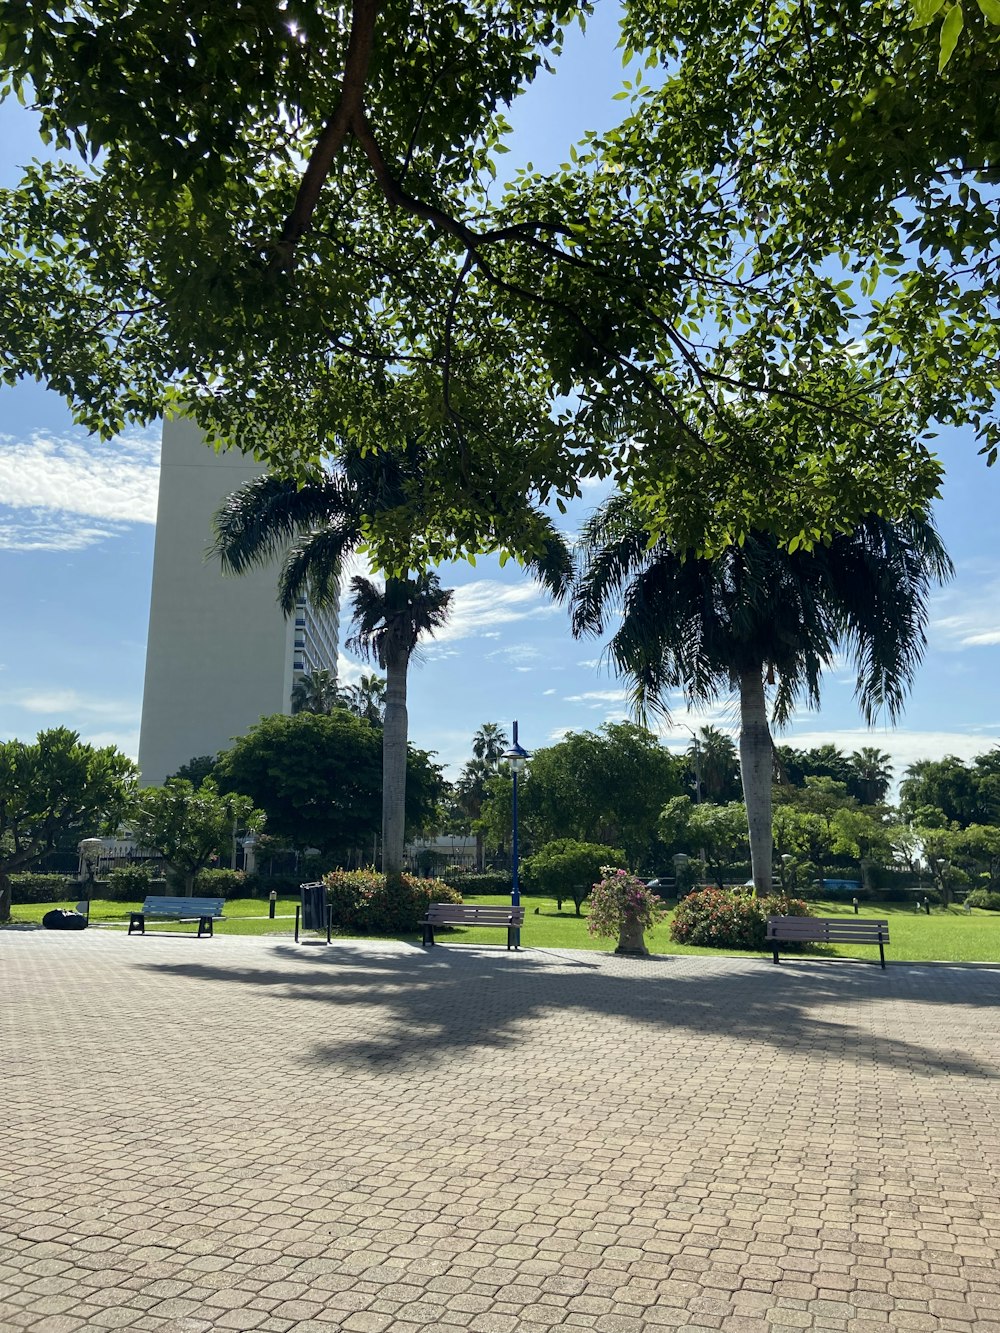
(517, 758)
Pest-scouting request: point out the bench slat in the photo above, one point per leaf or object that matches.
(827, 930)
(171, 906)
(474, 914)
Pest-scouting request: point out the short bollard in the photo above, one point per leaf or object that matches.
(272, 898)
(855, 902)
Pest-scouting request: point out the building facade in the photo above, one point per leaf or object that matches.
(219, 654)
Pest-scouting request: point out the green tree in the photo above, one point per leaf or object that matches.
(940, 847)
(803, 835)
(882, 185)
(604, 787)
(489, 744)
(715, 765)
(758, 614)
(318, 692)
(566, 868)
(870, 775)
(190, 825)
(328, 519)
(720, 832)
(196, 770)
(54, 789)
(323, 238)
(822, 761)
(317, 777)
(981, 842)
(367, 697)
(963, 793)
(862, 834)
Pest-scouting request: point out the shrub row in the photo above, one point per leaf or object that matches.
(987, 898)
(477, 881)
(28, 888)
(729, 920)
(362, 901)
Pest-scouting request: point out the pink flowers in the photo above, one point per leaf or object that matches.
(619, 895)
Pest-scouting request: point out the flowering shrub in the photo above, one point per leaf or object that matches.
(362, 901)
(617, 896)
(721, 918)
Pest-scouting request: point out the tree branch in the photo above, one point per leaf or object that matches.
(337, 128)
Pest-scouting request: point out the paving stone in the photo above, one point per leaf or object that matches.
(700, 1144)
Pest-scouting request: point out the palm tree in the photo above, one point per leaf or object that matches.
(367, 698)
(717, 765)
(470, 790)
(758, 615)
(388, 622)
(314, 527)
(871, 775)
(489, 744)
(317, 692)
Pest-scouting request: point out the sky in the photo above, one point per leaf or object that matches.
(76, 545)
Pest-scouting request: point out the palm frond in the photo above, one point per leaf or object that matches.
(389, 620)
(311, 568)
(255, 524)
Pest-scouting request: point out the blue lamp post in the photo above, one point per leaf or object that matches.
(517, 759)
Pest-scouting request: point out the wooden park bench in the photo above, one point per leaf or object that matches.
(827, 930)
(461, 914)
(203, 910)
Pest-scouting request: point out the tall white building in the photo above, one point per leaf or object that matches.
(220, 655)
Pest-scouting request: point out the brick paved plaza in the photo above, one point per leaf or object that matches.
(242, 1134)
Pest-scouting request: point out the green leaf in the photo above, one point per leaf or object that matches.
(924, 11)
(951, 29)
(991, 10)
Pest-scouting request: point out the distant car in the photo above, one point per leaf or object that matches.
(666, 888)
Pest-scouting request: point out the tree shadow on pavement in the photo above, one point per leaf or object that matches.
(435, 1002)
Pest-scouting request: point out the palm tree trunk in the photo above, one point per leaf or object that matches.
(394, 732)
(756, 765)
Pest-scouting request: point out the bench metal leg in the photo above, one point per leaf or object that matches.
(513, 938)
(881, 953)
(136, 923)
(774, 952)
(428, 939)
(205, 926)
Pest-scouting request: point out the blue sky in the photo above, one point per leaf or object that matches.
(76, 545)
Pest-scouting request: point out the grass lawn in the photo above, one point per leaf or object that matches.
(948, 934)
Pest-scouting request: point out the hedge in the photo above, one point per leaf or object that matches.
(478, 881)
(361, 901)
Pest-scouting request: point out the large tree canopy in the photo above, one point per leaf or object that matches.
(834, 135)
(288, 220)
(54, 789)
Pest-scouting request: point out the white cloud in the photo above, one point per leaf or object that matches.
(126, 741)
(69, 702)
(479, 606)
(350, 672)
(967, 615)
(548, 691)
(597, 697)
(55, 487)
(516, 652)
